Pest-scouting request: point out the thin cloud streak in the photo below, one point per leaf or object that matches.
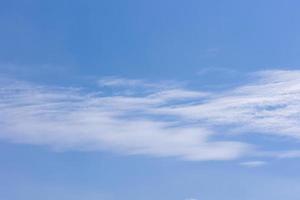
(269, 105)
(253, 164)
(69, 119)
(163, 122)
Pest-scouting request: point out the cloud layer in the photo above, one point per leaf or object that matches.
(160, 121)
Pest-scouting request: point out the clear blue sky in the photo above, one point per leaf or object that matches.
(149, 100)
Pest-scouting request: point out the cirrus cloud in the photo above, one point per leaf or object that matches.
(163, 122)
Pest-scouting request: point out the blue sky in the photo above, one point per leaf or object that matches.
(164, 100)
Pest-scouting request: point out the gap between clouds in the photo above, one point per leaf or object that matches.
(152, 119)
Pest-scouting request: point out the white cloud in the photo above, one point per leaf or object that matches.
(162, 122)
(252, 164)
(288, 154)
(119, 82)
(65, 118)
(270, 105)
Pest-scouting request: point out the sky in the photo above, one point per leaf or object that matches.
(149, 100)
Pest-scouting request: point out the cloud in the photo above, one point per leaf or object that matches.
(216, 70)
(120, 82)
(252, 164)
(65, 118)
(166, 121)
(269, 105)
(282, 154)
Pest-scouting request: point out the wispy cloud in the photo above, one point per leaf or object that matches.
(268, 105)
(120, 82)
(66, 118)
(163, 122)
(287, 154)
(252, 164)
(216, 70)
